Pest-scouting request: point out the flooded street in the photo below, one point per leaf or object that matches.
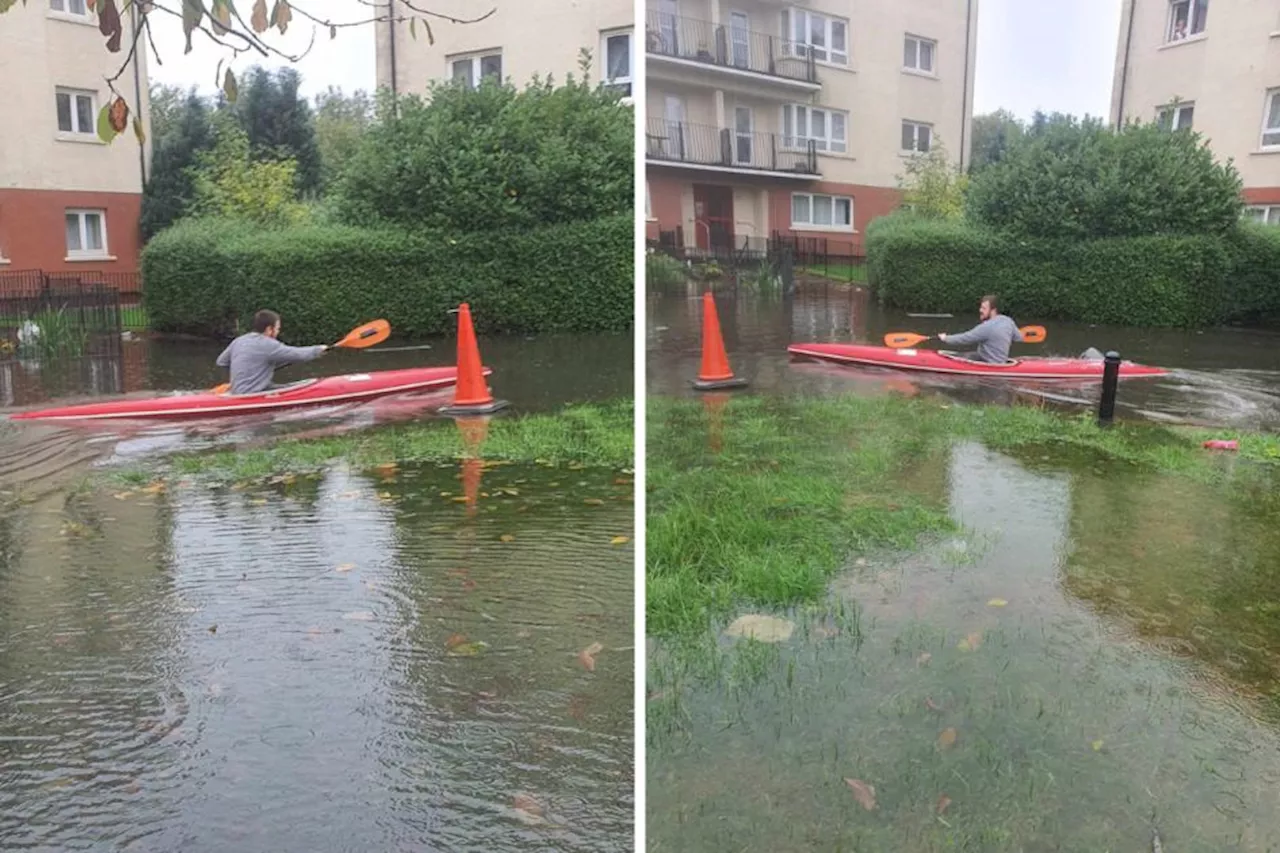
(1227, 377)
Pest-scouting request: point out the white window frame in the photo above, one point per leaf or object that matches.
(648, 202)
(619, 82)
(823, 53)
(1190, 5)
(915, 136)
(83, 254)
(476, 60)
(795, 140)
(809, 200)
(1267, 214)
(76, 132)
(1175, 111)
(66, 9)
(1270, 121)
(920, 41)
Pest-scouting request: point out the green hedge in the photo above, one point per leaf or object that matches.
(202, 276)
(928, 265)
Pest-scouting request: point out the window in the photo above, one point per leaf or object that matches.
(916, 136)
(823, 37)
(86, 234)
(470, 70)
(1271, 120)
(70, 7)
(616, 48)
(1176, 116)
(1186, 19)
(1268, 214)
(75, 111)
(917, 54)
(742, 137)
(826, 129)
(830, 212)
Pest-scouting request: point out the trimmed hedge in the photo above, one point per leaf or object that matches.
(929, 265)
(203, 276)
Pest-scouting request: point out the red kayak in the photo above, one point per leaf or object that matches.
(330, 390)
(935, 361)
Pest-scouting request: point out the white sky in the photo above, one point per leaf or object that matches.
(1032, 54)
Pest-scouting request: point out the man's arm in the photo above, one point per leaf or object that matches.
(224, 360)
(282, 354)
(976, 335)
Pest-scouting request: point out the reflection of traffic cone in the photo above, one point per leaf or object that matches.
(715, 373)
(714, 404)
(470, 395)
(474, 431)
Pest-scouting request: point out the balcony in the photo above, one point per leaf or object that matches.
(700, 146)
(726, 52)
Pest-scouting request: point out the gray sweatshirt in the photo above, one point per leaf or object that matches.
(254, 357)
(992, 336)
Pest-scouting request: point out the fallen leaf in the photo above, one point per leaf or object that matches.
(122, 496)
(345, 567)
(507, 537)
(766, 629)
(454, 641)
(970, 642)
(932, 705)
(387, 469)
(528, 807)
(469, 649)
(587, 657)
(468, 584)
(619, 540)
(213, 629)
(1097, 745)
(924, 658)
(997, 602)
(863, 793)
(943, 802)
(594, 502)
(948, 738)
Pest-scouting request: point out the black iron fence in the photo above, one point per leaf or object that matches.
(730, 45)
(706, 145)
(838, 260)
(59, 315)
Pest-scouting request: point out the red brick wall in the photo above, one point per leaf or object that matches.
(868, 204)
(1262, 195)
(33, 230)
(664, 197)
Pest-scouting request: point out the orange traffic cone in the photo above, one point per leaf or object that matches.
(715, 373)
(470, 395)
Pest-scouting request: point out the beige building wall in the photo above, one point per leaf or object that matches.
(1225, 70)
(533, 37)
(42, 51)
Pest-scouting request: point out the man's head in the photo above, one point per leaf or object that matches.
(267, 323)
(989, 308)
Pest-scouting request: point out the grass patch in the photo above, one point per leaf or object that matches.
(134, 317)
(838, 272)
(589, 435)
(800, 485)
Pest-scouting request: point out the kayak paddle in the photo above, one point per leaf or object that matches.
(897, 340)
(373, 332)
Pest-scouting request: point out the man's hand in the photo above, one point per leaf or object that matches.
(942, 336)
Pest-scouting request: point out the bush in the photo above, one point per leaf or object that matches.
(1079, 180)
(661, 270)
(929, 265)
(202, 276)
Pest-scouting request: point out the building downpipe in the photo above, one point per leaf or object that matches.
(1124, 67)
(391, 37)
(968, 69)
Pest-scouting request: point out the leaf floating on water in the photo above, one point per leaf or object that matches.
(970, 642)
(1097, 746)
(468, 584)
(766, 629)
(997, 602)
(587, 657)
(620, 540)
(594, 502)
(932, 705)
(924, 658)
(387, 469)
(527, 808)
(454, 641)
(345, 567)
(213, 629)
(862, 792)
(507, 537)
(947, 739)
(943, 803)
(358, 616)
(469, 649)
(155, 488)
(122, 496)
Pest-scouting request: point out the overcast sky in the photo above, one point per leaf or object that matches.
(1032, 54)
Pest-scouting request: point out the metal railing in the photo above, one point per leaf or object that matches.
(726, 45)
(706, 145)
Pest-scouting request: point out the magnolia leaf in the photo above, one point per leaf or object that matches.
(109, 25)
(281, 15)
(431, 39)
(106, 133)
(413, 28)
(947, 739)
(454, 641)
(507, 537)
(620, 540)
(229, 86)
(863, 793)
(138, 131)
(192, 13)
(943, 802)
(220, 15)
(997, 602)
(333, 32)
(259, 18)
(587, 657)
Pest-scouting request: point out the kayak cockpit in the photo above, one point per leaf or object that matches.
(955, 356)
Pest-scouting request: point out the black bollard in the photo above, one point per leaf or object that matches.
(1110, 379)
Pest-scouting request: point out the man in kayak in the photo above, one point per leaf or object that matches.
(993, 335)
(253, 357)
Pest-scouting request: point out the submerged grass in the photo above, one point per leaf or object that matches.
(798, 486)
(593, 435)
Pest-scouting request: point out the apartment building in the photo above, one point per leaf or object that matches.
(68, 201)
(519, 39)
(1213, 67)
(795, 117)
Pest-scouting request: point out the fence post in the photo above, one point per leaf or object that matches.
(1110, 379)
(786, 269)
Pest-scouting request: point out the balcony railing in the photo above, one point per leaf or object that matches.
(725, 45)
(704, 145)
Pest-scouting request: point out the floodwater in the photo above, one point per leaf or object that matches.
(350, 661)
(1227, 377)
(1093, 661)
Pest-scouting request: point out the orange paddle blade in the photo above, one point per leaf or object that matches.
(1032, 334)
(898, 340)
(373, 332)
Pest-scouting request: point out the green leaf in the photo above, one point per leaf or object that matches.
(229, 86)
(192, 13)
(138, 131)
(105, 131)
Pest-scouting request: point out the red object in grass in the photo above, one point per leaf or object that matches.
(1222, 444)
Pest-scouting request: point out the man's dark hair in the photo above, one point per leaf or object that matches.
(992, 300)
(264, 320)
